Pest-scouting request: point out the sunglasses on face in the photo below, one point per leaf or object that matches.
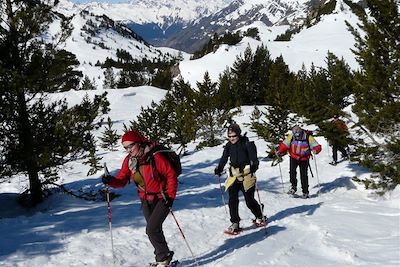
(232, 136)
(129, 147)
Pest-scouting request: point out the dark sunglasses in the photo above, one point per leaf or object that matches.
(129, 147)
(232, 136)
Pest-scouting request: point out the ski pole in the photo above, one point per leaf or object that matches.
(262, 209)
(259, 199)
(316, 171)
(309, 166)
(180, 229)
(280, 171)
(222, 194)
(106, 172)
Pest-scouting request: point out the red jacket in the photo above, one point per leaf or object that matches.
(299, 149)
(156, 177)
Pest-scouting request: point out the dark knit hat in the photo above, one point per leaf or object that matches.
(234, 128)
(134, 136)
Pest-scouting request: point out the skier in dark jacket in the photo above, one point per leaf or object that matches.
(157, 185)
(243, 165)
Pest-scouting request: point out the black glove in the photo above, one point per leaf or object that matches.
(106, 179)
(217, 171)
(168, 201)
(253, 168)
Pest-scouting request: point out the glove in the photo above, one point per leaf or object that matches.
(106, 179)
(217, 171)
(168, 202)
(253, 168)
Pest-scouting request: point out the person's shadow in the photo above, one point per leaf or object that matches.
(244, 240)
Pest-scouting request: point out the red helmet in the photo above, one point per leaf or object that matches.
(134, 136)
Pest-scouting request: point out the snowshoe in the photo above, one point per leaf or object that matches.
(305, 195)
(171, 264)
(165, 262)
(234, 229)
(291, 191)
(260, 222)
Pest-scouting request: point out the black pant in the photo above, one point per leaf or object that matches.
(335, 148)
(303, 164)
(155, 213)
(251, 203)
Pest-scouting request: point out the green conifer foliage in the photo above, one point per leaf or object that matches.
(109, 79)
(87, 84)
(180, 103)
(110, 137)
(377, 88)
(210, 115)
(37, 135)
(378, 84)
(153, 122)
(93, 161)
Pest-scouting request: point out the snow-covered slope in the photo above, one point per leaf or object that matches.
(97, 37)
(239, 14)
(161, 12)
(310, 45)
(342, 224)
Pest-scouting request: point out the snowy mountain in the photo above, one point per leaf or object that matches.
(156, 20)
(97, 37)
(308, 46)
(238, 14)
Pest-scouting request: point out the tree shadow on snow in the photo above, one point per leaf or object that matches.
(44, 229)
(341, 182)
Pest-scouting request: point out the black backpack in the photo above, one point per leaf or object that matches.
(169, 154)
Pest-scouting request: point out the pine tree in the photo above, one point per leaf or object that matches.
(110, 137)
(38, 135)
(378, 84)
(242, 73)
(93, 161)
(229, 98)
(153, 122)
(377, 89)
(87, 84)
(109, 79)
(210, 115)
(180, 104)
(276, 124)
(340, 80)
(162, 79)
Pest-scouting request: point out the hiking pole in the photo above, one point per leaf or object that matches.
(180, 229)
(259, 199)
(262, 208)
(280, 171)
(106, 172)
(316, 171)
(222, 194)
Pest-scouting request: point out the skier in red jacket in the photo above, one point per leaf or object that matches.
(157, 184)
(299, 144)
